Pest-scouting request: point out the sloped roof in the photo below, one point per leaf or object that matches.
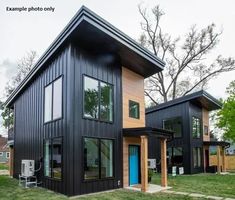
(200, 98)
(94, 33)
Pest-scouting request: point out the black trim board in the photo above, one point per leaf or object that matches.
(202, 98)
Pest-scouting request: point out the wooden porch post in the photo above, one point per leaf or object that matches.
(223, 160)
(163, 163)
(218, 160)
(144, 163)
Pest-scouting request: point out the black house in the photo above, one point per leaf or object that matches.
(188, 117)
(76, 110)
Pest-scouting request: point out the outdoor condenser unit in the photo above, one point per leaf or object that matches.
(27, 168)
(152, 163)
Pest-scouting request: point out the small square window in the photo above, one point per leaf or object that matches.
(134, 109)
(206, 131)
(1, 153)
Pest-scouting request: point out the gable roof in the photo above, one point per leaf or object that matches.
(200, 98)
(96, 34)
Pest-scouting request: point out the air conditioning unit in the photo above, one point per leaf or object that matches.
(27, 168)
(152, 163)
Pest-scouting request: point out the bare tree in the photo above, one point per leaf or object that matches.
(24, 65)
(185, 69)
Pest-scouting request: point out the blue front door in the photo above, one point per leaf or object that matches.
(134, 164)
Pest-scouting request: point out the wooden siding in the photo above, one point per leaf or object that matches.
(126, 142)
(205, 122)
(132, 89)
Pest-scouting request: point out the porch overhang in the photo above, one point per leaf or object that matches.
(221, 146)
(217, 143)
(147, 131)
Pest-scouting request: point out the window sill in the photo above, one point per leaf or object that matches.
(98, 179)
(54, 120)
(53, 179)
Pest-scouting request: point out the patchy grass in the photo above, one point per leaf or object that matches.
(209, 184)
(216, 185)
(3, 166)
(9, 190)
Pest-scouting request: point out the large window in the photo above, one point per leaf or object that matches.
(134, 109)
(98, 158)
(196, 157)
(196, 124)
(53, 158)
(53, 100)
(98, 100)
(174, 124)
(175, 156)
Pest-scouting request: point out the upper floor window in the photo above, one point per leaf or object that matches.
(98, 99)
(206, 131)
(1, 153)
(53, 100)
(196, 125)
(134, 109)
(174, 124)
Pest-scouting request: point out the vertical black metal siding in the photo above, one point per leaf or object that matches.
(195, 111)
(108, 70)
(30, 129)
(155, 119)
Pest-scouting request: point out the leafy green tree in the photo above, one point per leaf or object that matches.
(226, 116)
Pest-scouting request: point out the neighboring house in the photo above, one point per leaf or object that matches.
(4, 150)
(188, 117)
(231, 150)
(81, 111)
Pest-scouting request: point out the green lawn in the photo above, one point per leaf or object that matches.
(3, 166)
(206, 184)
(9, 190)
(210, 184)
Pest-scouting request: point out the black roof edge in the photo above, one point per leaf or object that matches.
(137, 131)
(201, 93)
(217, 143)
(83, 14)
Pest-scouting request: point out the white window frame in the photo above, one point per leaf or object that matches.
(7, 154)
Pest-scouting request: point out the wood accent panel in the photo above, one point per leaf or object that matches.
(204, 156)
(205, 121)
(144, 163)
(126, 142)
(132, 89)
(229, 161)
(218, 159)
(223, 159)
(163, 163)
